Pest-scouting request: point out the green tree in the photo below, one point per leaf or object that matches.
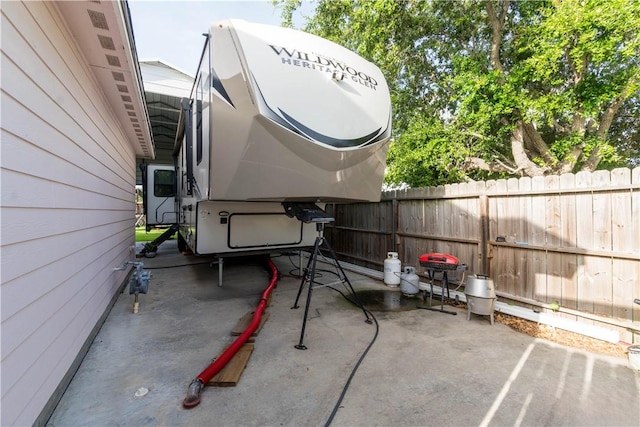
(498, 87)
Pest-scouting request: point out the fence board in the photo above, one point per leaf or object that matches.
(624, 272)
(537, 238)
(603, 292)
(584, 240)
(553, 236)
(569, 297)
(635, 232)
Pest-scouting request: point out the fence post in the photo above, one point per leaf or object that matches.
(483, 250)
(394, 223)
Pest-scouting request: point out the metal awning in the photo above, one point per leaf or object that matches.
(164, 87)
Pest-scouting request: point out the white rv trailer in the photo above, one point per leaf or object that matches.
(275, 115)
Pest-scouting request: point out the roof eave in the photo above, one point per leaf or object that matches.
(104, 34)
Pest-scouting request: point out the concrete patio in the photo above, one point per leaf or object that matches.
(425, 368)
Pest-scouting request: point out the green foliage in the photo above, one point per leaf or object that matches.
(569, 70)
(582, 54)
(287, 9)
(421, 156)
(142, 235)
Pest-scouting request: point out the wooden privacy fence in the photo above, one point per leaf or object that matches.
(572, 239)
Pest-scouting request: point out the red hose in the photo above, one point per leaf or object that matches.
(196, 386)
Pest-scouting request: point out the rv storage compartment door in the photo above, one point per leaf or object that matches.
(250, 230)
(229, 227)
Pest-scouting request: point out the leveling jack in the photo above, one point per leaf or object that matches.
(149, 250)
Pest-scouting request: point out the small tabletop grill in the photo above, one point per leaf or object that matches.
(439, 263)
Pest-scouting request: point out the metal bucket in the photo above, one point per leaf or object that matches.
(634, 357)
(480, 286)
(481, 306)
(481, 296)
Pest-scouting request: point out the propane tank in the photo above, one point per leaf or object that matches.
(409, 282)
(392, 269)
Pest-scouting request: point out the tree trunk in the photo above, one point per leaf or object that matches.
(519, 154)
(532, 135)
(570, 160)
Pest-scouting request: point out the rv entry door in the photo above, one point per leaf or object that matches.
(159, 192)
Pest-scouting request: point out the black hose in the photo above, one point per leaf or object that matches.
(179, 265)
(336, 407)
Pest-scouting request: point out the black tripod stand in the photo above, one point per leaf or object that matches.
(309, 277)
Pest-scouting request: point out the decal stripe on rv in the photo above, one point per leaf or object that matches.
(335, 142)
(217, 85)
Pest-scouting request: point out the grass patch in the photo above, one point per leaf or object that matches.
(143, 236)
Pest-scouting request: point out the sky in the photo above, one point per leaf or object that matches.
(172, 30)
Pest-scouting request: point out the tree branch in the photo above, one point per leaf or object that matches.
(497, 24)
(476, 163)
(607, 119)
(608, 116)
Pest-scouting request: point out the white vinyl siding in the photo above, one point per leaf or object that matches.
(67, 206)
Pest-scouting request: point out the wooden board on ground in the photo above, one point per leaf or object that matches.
(230, 374)
(244, 322)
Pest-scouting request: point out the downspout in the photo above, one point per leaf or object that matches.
(195, 388)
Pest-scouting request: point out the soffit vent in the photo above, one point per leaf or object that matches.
(106, 42)
(98, 19)
(114, 61)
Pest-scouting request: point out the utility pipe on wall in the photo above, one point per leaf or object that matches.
(195, 387)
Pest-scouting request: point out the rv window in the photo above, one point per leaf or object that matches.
(164, 183)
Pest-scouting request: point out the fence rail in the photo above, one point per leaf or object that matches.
(573, 239)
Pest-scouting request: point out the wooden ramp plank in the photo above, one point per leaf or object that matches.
(231, 373)
(244, 322)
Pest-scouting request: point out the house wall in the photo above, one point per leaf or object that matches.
(67, 207)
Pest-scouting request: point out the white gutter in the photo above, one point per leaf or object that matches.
(593, 331)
